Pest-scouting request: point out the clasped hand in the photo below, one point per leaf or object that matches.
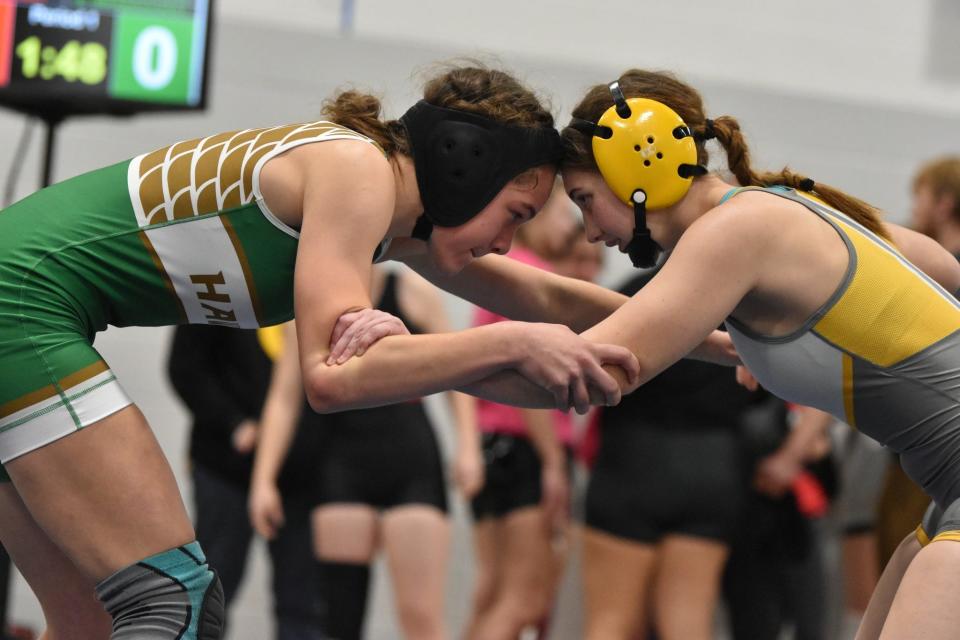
(553, 357)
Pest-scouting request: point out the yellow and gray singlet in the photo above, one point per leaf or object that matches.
(178, 235)
(882, 354)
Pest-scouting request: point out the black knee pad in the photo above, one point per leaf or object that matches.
(213, 612)
(173, 595)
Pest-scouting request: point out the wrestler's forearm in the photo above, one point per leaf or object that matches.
(580, 304)
(509, 387)
(403, 367)
(521, 292)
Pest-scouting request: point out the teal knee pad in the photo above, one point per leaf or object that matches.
(173, 595)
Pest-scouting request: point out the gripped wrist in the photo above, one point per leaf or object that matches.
(512, 341)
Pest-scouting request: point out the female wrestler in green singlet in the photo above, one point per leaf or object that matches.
(237, 229)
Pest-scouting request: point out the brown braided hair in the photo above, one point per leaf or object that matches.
(664, 87)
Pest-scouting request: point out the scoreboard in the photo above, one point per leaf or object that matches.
(66, 57)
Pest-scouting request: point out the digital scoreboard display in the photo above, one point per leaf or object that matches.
(65, 57)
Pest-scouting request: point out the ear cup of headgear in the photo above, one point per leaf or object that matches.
(649, 149)
(463, 161)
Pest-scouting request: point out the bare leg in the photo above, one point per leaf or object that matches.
(883, 595)
(527, 576)
(416, 539)
(345, 533)
(616, 577)
(561, 541)
(687, 587)
(861, 572)
(345, 541)
(66, 596)
(925, 606)
(486, 537)
(105, 495)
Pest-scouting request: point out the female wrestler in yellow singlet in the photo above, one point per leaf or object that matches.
(827, 305)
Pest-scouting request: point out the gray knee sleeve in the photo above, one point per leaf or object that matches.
(173, 595)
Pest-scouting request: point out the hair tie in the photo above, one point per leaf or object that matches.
(807, 184)
(709, 133)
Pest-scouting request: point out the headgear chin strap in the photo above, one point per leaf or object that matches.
(642, 249)
(647, 155)
(463, 160)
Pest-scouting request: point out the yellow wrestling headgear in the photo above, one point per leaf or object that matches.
(647, 155)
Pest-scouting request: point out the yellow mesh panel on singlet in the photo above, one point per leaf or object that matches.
(884, 316)
(211, 174)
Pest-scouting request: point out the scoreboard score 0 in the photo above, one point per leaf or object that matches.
(103, 56)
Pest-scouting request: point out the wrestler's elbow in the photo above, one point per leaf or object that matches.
(327, 389)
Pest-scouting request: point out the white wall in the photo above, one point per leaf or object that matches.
(871, 51)
(842, 91)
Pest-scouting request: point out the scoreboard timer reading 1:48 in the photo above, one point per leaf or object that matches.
(103, 56)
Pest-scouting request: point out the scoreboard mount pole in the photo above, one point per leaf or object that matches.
(51, 122)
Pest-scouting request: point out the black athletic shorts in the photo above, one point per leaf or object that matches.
(384, 457)
(651, 481)
(512, 476)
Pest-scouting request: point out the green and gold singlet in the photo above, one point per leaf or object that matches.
(178, 235)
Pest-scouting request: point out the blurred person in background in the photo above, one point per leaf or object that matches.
(378, 484)
(775, 578)
(221, 375)
(583, 260)
(936, 202)
(666, 490)
(578, 257)
(521, 509)
(10, 631)
(863, 466)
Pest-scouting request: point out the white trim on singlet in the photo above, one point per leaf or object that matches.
(340, 133)
(60, 415)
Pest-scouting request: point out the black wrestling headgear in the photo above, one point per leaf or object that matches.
(463, 160)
